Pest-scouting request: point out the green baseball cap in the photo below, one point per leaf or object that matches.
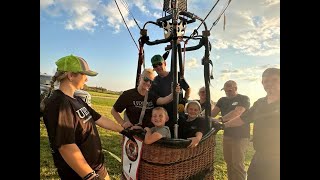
(74, 64)
(156, 59)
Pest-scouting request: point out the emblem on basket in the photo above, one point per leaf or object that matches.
(131, 150)
(131, 153)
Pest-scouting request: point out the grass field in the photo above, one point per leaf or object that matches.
(102, 103)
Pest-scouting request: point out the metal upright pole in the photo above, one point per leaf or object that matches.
(206, 62)
(174, 65)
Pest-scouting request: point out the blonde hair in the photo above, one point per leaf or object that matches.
(192, 102)
(58, 76)
(161, 109)
(147, 71)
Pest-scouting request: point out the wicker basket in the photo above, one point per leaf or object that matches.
(171, 159)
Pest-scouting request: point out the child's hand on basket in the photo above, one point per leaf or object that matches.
(194, 142)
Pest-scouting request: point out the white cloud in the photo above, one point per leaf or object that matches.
(251, 74)
(114, 19)
(156, 4)
(79, 13)
(271, 2)
(219, 44)
(263, 40)
(82, 19)
(252, 26)
(45, 3)
(192, 63)
(141, 5)
(157, 15)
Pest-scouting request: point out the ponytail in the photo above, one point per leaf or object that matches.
(58, 76)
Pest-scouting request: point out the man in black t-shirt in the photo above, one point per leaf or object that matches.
(265, 114)
(132, 101)
(162, 83)
(236, 139)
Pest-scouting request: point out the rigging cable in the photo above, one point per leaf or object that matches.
(205, 18)
(126, 25)
(127, 7)
(214, 23)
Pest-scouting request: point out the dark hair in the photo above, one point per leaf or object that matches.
(271, 71)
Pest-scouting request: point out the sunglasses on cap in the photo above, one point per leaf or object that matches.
(147, 79)
(156, 65)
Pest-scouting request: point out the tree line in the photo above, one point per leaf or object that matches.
(100, 90)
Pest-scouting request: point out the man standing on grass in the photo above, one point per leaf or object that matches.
(265, 113)
(235, 139)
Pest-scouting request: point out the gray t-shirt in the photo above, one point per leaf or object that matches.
(164, 131)
(266, 131)
(228, 104)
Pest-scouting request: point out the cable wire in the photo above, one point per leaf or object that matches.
(126, 25)
(125, 4)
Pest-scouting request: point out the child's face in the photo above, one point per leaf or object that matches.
(158, 118)
(193, 110)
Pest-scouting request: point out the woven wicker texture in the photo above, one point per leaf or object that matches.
(165, 163)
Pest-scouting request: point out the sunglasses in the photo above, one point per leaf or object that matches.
(147, 79)
(156, 65)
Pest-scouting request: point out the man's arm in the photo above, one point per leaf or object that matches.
(74, 158)
(109, 124)
(244, 103)
(215, 111)
(233, 114)
(234, 122)
(117, 116)
(246, 117)
(185, 86)
(167, 99)
(187, 93)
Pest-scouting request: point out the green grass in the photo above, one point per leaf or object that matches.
(113, 96)
(102, 103)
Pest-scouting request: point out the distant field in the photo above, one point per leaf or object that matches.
(111, 145)
(112, 96)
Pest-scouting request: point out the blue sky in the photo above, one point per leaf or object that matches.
(94, 30)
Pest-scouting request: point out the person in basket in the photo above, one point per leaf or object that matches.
(159, 118)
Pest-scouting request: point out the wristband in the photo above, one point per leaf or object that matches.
(89, 175)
